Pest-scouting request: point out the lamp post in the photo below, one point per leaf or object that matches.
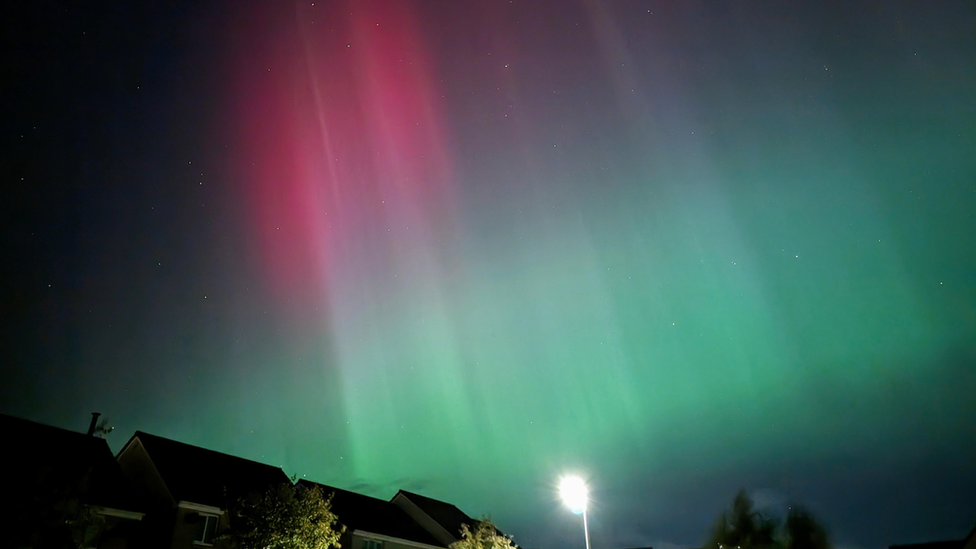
(574, 494)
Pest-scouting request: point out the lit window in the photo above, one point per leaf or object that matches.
(372, 544)
(206, 530)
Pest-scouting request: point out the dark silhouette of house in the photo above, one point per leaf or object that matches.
(950, 544)
(61, 483)
(158, 493)
(373, 523)
(969, 542)
(190, 488)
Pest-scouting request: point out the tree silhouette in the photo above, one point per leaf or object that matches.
(742, 527)
(48, 510)
(803, 531)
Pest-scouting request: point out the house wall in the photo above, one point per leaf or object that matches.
(184, 530)
(139, 469)
(970, 542)
(157, 525)
(356, 542)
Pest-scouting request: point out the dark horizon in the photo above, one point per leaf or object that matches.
(466, 248)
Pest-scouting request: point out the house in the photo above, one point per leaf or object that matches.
(189, 489)
(163, 494)
(969, 542)
(372, 523)
(440, 518)
(408, 521)
(54, 479)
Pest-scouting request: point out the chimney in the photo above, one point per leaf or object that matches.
(94, 423)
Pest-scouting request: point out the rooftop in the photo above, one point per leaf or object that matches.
(369, 514)
(58, 457)
(208, 477)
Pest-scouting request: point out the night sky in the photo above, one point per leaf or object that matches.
(462, 248)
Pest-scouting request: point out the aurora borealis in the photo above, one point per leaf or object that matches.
(464, 247)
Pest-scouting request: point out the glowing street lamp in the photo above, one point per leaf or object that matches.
(573, 492)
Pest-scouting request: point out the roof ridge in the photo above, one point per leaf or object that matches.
(187, 444)
(409, 493)
(337, 489)
(49, 426)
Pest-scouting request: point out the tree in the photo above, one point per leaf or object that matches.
(742, 527)
(803, 531)
(285, 517)
(483, 536)
(48, 510)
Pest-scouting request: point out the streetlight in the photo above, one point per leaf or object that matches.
(573, 492)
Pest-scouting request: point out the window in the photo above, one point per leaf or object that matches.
(206, 530)
(372, 544)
